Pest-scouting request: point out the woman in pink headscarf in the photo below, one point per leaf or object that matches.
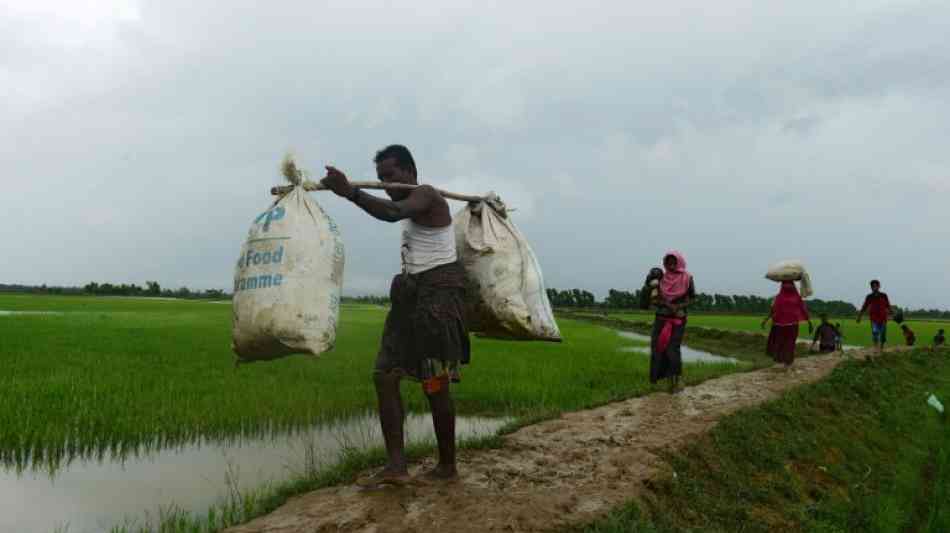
(675, 292)
(788, 310)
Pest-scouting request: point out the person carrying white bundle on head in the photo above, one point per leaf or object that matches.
(787, 311)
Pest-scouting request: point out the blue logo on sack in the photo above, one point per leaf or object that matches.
(272, 214)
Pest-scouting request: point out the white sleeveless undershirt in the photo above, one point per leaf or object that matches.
(424, 248)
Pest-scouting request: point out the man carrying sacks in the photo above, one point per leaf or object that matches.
(425, 337)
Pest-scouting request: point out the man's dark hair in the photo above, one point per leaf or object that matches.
(398, 152)
(875, 282)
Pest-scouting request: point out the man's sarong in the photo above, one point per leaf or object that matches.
(425, 335)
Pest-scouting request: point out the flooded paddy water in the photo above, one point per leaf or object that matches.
(689, 355)
(92, 495)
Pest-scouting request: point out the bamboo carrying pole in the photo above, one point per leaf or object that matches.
(316, 186)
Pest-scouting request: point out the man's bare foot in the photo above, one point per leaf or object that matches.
(386, 476)
(441, 473)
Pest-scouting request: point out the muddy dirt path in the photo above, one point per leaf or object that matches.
(550, 475)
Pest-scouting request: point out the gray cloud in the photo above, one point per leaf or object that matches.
(142, 139)
(802, 125)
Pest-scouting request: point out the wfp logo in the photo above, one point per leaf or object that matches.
(272, 214)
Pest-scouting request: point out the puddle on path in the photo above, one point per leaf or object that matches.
(90, 496)
(5, 312)
(688, 354)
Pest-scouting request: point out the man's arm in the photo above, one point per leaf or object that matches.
(419, 200)
(863, 309)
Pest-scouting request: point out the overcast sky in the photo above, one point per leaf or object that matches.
(139, 139)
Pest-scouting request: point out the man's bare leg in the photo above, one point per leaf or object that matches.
(443, 420)
(391, 418)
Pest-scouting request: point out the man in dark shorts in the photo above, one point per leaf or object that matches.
(826, 336)
(424, 338)
(878, 307)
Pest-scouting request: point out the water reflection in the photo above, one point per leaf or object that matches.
(92, 496)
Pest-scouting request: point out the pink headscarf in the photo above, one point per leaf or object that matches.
(788, 307)
(675, 283)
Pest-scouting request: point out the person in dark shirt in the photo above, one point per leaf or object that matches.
(878, 307)
(826, 336)
(909, 337)
(939, 339)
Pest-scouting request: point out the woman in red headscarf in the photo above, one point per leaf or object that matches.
(674, 293)
(788, 310)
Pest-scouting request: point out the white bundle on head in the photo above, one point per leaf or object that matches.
(792, 270)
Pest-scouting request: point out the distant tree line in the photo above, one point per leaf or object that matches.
(927, 313)
(39, 289)
(715, 303)
(375, 300)
(151, 288)
(573, 298)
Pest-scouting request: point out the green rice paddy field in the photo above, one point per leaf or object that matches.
(83, 375)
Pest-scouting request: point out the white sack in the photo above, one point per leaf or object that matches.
(791, 270)
(505, 295)
(287, 282)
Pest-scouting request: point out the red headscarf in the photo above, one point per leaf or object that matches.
(675, 283)
(788, 307)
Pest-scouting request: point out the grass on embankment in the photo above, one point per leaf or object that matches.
(858, 451)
